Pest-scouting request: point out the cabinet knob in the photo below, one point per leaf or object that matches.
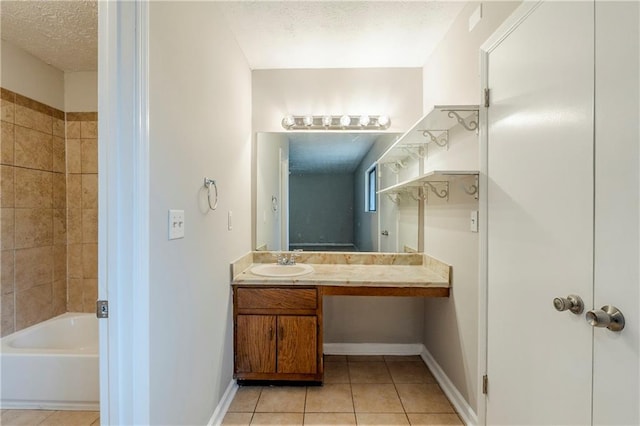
(571, 303)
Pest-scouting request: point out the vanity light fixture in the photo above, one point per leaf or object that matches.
(336, 122)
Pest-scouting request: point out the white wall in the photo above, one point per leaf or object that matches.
(452, 76)
(27, 75)
(393, 91)
(81, 91)
(200, 125)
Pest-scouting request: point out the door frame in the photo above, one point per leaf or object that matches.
(507, 27)
(123, 234)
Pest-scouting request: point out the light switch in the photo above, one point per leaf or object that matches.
(474, 221)
(176, 224)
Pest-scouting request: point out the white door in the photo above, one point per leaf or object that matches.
(563, 215)
(616, 355)
(387, 224)
(540, 218)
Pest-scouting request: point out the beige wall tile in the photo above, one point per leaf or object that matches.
(89, 225)
(33, 267)
(74, 191)
(74, 156)
(58, 127)
(74, 226)
(34, 228)
(33, 188)
(32, 119)
(73, 130)
(7, 228)
(89, 129)
(33, 149)
(59, 155)
(59, 191)
(7, 111)
(74, 260)
(7, 259)
(33, 305)
(89, 191)
(59, 226)
(89, 156)
(60, 262)
(7, 144)
(8, 315)
(89, 295)
(59, 304)
(7, 186)
(90, 260)
(74, 295)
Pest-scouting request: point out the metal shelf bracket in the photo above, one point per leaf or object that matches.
(442, 140)
(440, 193)
(471, 125)
(472, 189)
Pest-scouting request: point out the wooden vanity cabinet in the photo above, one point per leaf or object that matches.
(277, 333)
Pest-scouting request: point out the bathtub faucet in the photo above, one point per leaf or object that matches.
(283, 259)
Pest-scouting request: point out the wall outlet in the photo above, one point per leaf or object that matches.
(176, 224)
(474, 221)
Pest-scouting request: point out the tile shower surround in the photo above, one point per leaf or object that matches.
(48, 202)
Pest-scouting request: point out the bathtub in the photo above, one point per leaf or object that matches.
(52, 365)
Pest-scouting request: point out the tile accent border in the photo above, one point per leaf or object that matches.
(82, 116)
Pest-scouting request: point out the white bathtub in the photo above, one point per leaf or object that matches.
(52, 365)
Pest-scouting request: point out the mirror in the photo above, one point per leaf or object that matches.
(310, 191)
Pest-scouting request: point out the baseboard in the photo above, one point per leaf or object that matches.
(50, 405)
(223, 405)
(464, 410)
(372, 348)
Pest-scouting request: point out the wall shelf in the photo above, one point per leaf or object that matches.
(433, 127)
(431, 177)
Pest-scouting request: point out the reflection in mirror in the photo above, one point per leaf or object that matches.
(311, 191)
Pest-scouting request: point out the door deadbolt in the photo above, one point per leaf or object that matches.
(571, 303)
(608, 316)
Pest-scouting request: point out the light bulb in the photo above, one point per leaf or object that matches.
(345, 120)
(384, 121)
(326, 120)
(308, 120)
(288, 121)
(364, 120)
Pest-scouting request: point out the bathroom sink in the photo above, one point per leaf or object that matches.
(275, 270)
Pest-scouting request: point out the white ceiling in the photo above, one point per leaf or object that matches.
(63, 34)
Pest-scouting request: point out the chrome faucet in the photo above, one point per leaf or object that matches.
(285, 258)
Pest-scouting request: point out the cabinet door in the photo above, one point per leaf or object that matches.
(256, 344)
(297, 344)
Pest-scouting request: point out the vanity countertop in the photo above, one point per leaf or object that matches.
(337, 272)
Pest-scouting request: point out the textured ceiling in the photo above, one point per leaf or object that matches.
(63, 34)
(339, 34)
(328, 152)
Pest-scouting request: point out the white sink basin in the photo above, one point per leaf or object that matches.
(275, 270)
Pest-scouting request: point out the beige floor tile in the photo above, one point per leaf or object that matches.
(71, 418)
(330, 398)
(335, 358)
(376, 398)
(24, 417)
(281, 400)
(410, 372)
(365, 358)
(396, 358)
(423, 398)
(434, 419)
(382, 419)
(336, 372)
(237, 419)
(280, 419)
(245, 399)
(369, 372)
(333, 419)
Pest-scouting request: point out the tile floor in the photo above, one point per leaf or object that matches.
(357, 390)
(49, 418)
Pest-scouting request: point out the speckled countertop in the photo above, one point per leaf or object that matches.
(351, 269)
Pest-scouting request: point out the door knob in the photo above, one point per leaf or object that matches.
(608, 316)
(572, 303)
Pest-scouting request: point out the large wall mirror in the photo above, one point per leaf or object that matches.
(312, 192)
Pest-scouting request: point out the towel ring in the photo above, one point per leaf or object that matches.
(208, 183)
